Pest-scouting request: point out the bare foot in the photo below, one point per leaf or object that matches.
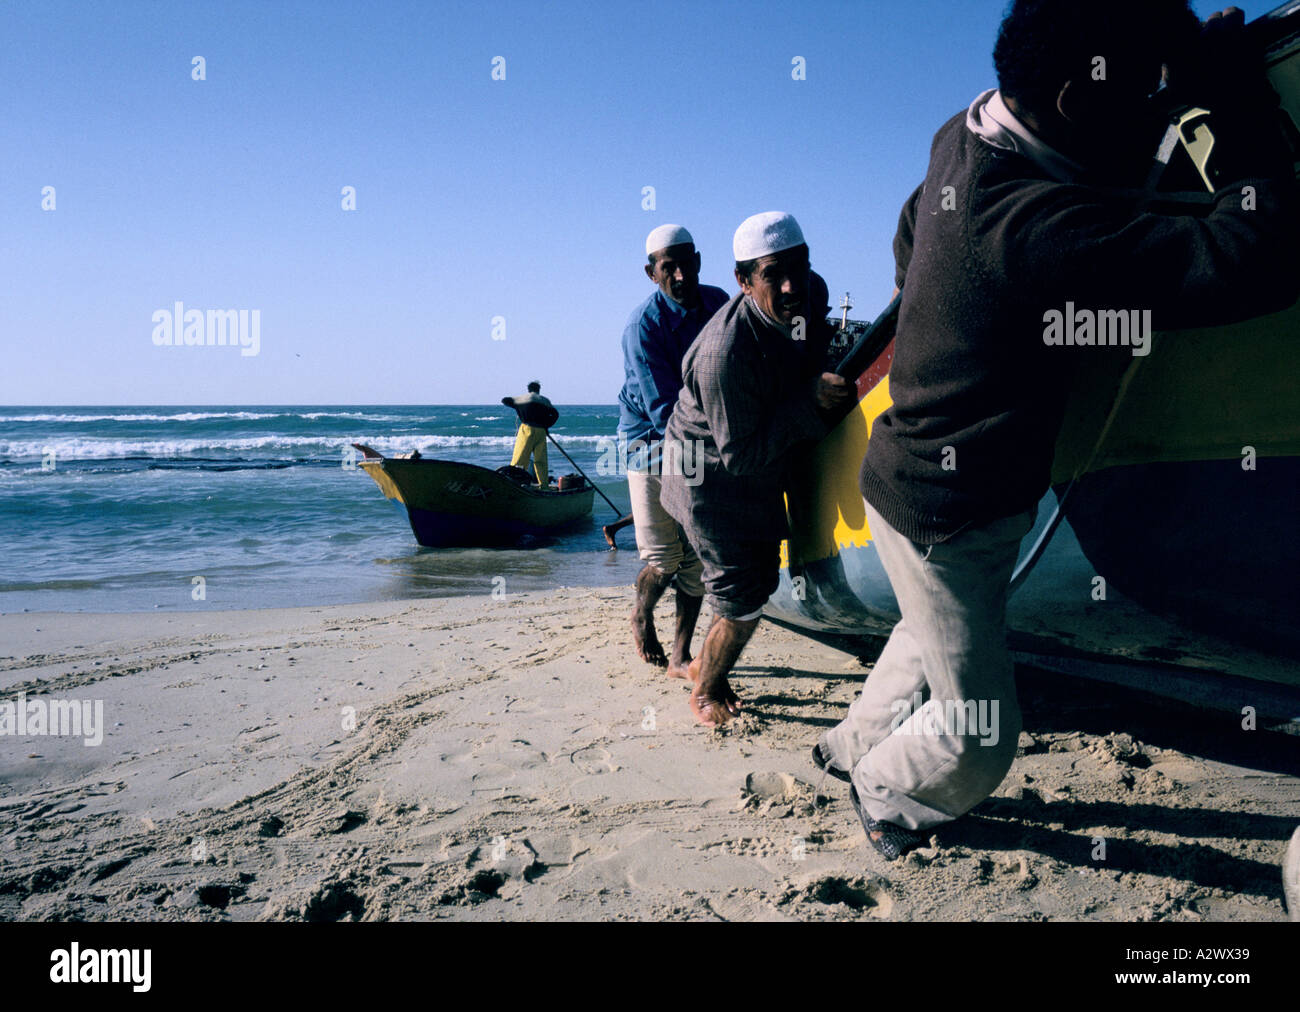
(715, 704)
(611, 530)
(682, 669)
(647, 643)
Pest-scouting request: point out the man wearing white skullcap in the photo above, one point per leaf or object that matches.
(765, 234)
(655, 340)
(754, 391)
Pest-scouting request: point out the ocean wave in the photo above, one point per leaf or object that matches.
(361, 415)
(202, 416)
(71, 449)
(185, 464)
(186, 416)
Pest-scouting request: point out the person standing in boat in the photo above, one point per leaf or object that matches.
(1029, 205)
(655, 341)
(536, 415)
(753, 392)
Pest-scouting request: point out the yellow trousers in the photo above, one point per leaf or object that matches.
(531, 442)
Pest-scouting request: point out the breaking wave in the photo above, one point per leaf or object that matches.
(69, 449)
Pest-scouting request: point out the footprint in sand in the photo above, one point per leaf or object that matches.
(493, 775)
(593, 759)
(864, 895)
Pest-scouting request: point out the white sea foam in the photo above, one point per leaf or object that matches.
(73, 448)
(187, 416)
(356, 414)
(199, 416)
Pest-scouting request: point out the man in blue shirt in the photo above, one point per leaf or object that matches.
(656, 339)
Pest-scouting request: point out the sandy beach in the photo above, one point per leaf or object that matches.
(483, 759)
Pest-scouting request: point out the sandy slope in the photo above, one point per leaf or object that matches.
(513, 759)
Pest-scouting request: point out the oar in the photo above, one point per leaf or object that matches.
(616, 510)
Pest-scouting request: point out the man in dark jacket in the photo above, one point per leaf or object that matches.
(1029, 210)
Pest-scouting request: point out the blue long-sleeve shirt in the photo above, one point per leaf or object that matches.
(655, 341)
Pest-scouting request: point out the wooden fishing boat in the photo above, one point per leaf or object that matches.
(449, 503)
(1176, 482)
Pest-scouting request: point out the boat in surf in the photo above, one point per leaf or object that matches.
(450, 503)
(1166, 552)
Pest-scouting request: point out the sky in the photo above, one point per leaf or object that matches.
(499, 224)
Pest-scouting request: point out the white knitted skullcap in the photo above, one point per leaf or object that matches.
(665, 236)
(765, 234)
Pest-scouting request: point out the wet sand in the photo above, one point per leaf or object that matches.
(483, 759)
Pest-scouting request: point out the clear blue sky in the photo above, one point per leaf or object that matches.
(475, 198)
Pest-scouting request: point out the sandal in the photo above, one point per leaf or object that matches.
(891, 841)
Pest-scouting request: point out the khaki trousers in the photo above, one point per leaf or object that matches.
(659, 538)
(936, 727)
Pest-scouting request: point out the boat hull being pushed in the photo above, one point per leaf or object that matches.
(1165, 555)
(452, 504)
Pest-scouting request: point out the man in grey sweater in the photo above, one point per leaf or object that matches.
(1029, 206)
(754, 390)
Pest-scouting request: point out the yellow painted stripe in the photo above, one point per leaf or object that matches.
(825, 504)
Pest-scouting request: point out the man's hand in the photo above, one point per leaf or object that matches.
(1224, 71)
(1225, 50)
(1229, 16)
(1223, 67)
(834, 392)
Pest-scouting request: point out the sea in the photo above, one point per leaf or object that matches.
(127, 509)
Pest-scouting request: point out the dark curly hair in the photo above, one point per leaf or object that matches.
(1044, 43)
